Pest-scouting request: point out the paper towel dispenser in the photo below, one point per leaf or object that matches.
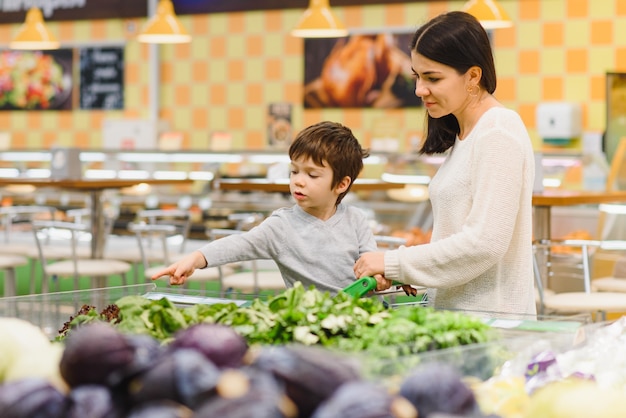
(559, 121)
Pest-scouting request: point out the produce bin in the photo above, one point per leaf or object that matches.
(50, 311)
(519, 337)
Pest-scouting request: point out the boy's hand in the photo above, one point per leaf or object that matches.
(179, 271)
(382, 283)
(408, 289)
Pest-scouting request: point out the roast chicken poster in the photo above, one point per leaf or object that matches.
(364, 70)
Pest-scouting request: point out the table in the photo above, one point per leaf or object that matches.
(94, 187)
(543, 203)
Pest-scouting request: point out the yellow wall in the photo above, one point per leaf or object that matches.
(237, 63)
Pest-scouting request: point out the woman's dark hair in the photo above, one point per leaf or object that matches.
(458, 40)
(332, 144)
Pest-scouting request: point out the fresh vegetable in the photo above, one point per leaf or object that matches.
(364, 399)
(248, 392)
(31, 397)
(219, 343)
(439, 388)
(95, 354)
(310, 374)
(25, 351)
(93, 401)
(184, 376)
(309, 317)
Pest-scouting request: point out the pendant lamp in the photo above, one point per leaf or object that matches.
(164, 27)
(318, 21)
(34, 34)
(489, 13)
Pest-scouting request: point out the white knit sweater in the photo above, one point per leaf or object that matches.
(480, 255)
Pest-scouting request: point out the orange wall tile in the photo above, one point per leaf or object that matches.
(199, 119)
(182, 96)
(553, 34)
(254, 94)
(576, 60)
(236, 118)
(254, 46)
(552, 88)
(529, 9)
(236, 70)
(577, 8)
(217, 94)
(395, 14)
(236, 22)
(273, 69)
(218, 47)
(598, 88)
(529, 62)
(620, 59)
(273, 21)
(505, 90)
(601, 32)
(200, 71)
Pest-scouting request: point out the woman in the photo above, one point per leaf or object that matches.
(480, 255)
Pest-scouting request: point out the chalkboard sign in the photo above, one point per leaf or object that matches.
(102, 78)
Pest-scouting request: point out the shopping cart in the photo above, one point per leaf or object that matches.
(366, 286)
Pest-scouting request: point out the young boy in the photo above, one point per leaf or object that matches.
(317, 240)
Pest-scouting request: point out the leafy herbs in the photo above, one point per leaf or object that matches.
(308, 317)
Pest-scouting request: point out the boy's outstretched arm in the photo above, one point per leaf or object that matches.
(179, 271)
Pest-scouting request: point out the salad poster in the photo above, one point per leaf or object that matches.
(36, 80)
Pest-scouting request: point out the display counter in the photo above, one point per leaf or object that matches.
(392, 187)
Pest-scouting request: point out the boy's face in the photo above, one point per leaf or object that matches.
(310, 186)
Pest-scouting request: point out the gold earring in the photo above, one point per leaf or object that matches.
(473, 90)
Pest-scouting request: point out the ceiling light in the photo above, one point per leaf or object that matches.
(34, 34)
(318, 21)
(489, 13)
(164, 27)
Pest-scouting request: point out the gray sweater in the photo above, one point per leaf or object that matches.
(305, 248)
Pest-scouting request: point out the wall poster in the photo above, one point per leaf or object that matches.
(36, 80)
(102, 78)
(363, 70)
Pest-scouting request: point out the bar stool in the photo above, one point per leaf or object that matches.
(9, 264)
(571, 302)
(67, 233)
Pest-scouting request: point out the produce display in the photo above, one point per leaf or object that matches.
(305, 316)
(209, 370)
(300, 354)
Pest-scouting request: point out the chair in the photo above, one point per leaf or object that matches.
(9, 264)
(67, 234)
(616, 281)
(21, 242)
(574, 266)
(249, 281)
(175, 239)
(149, 234)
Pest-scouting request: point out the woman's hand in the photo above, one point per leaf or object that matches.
(179, 271)
(370, 264)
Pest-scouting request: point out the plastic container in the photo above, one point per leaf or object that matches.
(50, 311)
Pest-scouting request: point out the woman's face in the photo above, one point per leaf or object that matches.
(442, 89)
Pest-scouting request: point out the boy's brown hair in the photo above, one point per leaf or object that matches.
(332, 144)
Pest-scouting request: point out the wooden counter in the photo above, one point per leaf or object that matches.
(262, 185)
(573, 197)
